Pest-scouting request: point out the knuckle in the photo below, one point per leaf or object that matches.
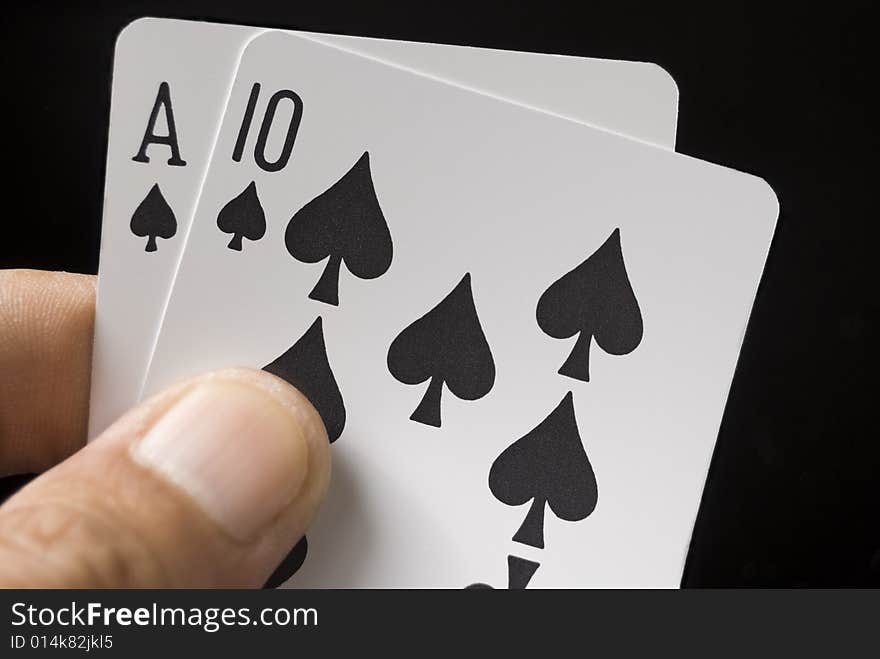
(62, 543)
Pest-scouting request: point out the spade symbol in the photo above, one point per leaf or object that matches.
(153, 218)
(546, 466)
(288, 567)
(344, 223)
(593, 300)
(519, 573)
(243, 217)
(305, 366)
(447, 344)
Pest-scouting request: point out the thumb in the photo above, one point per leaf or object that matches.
(209, 483)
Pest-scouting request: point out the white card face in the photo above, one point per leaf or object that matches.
(197, 61)
(516, 199)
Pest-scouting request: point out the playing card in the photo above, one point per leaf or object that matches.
(170, 84)
(520, 330)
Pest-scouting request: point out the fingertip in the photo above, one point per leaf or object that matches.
(46, 328)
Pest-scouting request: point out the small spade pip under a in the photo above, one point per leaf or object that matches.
(306, 367)
(549, 467)
(446, 345)
(243, 216)
(344, 224)
(519, 573)
(153, 218)
(595, 300)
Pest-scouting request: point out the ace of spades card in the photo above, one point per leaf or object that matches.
(170, 83)
(496, 205)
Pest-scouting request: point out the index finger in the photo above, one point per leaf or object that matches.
(46, 326)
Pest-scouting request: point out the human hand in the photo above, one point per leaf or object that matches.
(207, 484)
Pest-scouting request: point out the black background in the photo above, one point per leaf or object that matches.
(793, 497)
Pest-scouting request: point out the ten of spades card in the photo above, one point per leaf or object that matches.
(520, 330)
